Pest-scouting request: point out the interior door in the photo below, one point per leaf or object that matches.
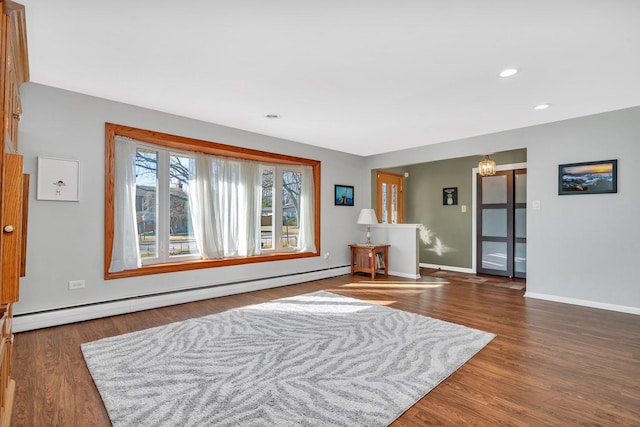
(390, 198)
(502, 224)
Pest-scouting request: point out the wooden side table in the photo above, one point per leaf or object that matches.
(369, 259)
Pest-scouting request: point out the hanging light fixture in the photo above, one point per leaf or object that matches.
(487, 167)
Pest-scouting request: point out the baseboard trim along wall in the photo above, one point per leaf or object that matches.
(61, 316)
(448, 268)
(405, 275)
(585, 303)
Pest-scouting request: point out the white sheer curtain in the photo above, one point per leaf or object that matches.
(125, 254)
(230, 199)
(225, 206)
(307, 235)
(205, 205)
(240, 191)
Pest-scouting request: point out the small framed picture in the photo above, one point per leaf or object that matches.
(58, 179)
(588, 177)
(343, 195)
(450, 196)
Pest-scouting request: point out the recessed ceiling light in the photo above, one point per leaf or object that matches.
(508, 72)
(273, 116)
(542, 106)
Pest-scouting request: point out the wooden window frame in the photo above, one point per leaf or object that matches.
(208, 147)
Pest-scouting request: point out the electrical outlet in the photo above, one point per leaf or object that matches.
(76, 284)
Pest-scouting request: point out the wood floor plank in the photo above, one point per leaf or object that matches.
(550, 364)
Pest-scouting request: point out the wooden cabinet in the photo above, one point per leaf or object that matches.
(14, 70)
(369, 259)
(12, 219)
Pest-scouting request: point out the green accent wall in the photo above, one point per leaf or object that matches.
(446, 238)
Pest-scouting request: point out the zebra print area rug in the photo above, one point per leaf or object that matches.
(317, 359)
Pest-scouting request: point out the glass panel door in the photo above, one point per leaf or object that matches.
(502, 224)
(495, 224)
(390, 198)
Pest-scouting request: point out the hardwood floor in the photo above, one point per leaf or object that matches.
(551, 364)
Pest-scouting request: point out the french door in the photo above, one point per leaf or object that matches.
(390, 200)
(502, 224)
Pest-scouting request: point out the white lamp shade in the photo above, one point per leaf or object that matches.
(367, 216)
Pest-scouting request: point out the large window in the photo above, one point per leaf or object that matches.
(284, 184)
(163, 217)
(175, 203)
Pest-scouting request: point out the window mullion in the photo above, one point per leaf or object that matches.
(277, 208)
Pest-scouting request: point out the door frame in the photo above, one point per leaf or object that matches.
(474, 201)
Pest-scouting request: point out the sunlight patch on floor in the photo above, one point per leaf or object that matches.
(379, 302)
(396, 285)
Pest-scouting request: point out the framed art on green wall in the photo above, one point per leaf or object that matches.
(450, 196)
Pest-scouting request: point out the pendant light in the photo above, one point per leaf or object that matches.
(487, 167)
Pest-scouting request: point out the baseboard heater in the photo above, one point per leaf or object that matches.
(59, 316)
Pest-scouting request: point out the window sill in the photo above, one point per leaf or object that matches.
(171, 267)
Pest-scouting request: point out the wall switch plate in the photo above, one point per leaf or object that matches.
(76, 284)
(463, 208)
(535, 205)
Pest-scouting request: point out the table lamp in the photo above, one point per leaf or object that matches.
(368, 217)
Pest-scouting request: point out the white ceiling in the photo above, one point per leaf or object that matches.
(359, 76)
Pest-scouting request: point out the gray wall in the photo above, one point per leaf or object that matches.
(66, 239)
(448, 224)
(581, 248)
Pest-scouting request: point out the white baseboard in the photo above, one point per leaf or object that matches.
(406, 275)
(28, 322)
(585, 303)
(448, 268)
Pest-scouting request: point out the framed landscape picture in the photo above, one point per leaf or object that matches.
(343, 195)
(588, 177)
